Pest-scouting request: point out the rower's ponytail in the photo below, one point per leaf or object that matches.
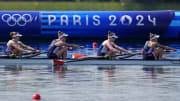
(151, 35)
(59, 33)
(109, 33)
(13, 33)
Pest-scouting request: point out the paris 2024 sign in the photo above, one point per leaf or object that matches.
(91, 24)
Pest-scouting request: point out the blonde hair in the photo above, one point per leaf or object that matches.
(151, 35)
(110, 33)
(13, 33)
(60, 33)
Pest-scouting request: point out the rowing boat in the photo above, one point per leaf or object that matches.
(87, 60)
(44, 61)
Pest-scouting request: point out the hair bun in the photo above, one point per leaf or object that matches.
(60, 33)
(151, 35)
(13, 33)
(110, 33)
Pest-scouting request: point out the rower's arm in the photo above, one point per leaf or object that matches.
(67, 45)
(121, 49)
(27, 47)
(166, 47)
(17, 48)
(112, 48)
(73, 45)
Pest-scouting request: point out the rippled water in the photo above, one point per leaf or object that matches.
(91, 83)
(87, 83)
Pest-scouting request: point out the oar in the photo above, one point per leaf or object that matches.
(4, 56)
(79, 56)
(129, 55)
(23, 56)
(62, 62)
(33, 55)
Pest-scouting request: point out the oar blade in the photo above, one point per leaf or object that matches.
(78, 56)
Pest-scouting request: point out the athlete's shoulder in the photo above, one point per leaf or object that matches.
(10, 42)
(104, 42)
(19, 42)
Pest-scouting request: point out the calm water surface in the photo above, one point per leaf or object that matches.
(91, 83)
(87, 83)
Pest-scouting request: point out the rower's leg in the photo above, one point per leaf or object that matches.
(59, 53)
(65, 53)
(19, 54)
(111, 53)
(159, 53)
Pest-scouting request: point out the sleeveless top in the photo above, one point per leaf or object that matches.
(102, 50)
(53, 48)
(148, 52)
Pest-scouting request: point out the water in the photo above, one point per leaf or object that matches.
(87, 83)
(91, 83)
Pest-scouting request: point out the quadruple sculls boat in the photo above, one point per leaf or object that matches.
(78, 59)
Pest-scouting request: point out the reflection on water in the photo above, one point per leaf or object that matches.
(87, 83)
(152, 71)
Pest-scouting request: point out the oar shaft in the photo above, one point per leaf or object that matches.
(33, 55)
(24, 55)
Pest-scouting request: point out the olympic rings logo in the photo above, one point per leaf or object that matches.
(17, 19)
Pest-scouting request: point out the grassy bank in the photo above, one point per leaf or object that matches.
(104, 6)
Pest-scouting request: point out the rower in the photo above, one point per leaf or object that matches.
(109, 48)
(16, 47)
(58, 47)
(153, 50)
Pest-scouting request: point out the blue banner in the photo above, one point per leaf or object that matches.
(94, 24)
(24, 22)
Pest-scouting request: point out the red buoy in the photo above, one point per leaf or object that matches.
(94, 45)
(36, 97)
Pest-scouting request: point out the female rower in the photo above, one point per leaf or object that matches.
(15, 46)
(153, 50)
(58, 47)
(108, 47)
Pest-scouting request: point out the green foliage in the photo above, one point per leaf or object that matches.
(83, 6)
